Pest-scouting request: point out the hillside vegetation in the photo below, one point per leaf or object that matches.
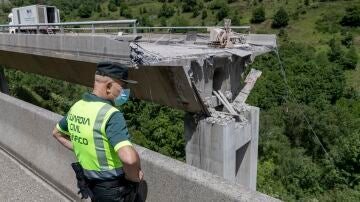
(309, 96)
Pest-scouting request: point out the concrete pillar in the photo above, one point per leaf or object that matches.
(4, 88)
(224, 146)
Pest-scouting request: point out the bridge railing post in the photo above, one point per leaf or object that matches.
(134, 28)
(93, 29)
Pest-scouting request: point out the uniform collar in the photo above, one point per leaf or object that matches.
(89, 97)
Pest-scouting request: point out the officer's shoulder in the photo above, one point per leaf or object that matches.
(117, 115)
(75, 104)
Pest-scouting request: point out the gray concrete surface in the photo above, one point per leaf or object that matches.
(225, 146)
(19, 184)
(25, 132)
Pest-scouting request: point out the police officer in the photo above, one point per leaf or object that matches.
(97, 133)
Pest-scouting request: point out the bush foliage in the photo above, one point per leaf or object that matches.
(280, 19)
(258, 15)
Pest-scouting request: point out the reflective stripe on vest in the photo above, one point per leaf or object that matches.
(87, 122)
(98, 138)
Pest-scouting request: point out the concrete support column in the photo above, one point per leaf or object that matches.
(4, 88)
(225, 147)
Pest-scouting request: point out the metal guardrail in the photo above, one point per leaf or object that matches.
(195, 27)
(93, 27)
(132, 22)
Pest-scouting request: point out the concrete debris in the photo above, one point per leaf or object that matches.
(228, 95)
(219, 117)
(240, 107)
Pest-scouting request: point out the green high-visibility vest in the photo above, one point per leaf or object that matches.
(86, 125)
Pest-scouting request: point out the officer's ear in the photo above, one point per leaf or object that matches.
(108, 87)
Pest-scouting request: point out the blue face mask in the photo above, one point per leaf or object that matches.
(122, 98)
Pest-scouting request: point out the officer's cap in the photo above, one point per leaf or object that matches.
(114, 70)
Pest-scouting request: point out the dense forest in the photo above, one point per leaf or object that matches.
(309, 92)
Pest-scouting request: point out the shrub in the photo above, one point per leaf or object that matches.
(349, 61)
(145, 21)
(281, 18)
(283, 34)
(127, 13)
(112, 7)
(347, 39)
(204, 14)
(84, 11)
(189, 5)
(166, 11)
(5, 7)
(179, 21)
(216, 4)
(335, 53)
(196, 12)
(352, 17)
(163, 22)
(258, 15)
(235, 19)
(306, 2)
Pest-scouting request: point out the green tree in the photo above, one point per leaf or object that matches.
(280, 19)
(112, 7)
(258, 15)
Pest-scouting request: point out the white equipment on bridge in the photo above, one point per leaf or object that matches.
(34, 14)
(226, 38)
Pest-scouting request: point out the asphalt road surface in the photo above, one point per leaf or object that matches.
(17, 183)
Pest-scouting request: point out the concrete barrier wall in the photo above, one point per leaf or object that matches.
(75, 44)
(25, 131)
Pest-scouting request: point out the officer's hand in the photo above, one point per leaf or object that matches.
(138, 179)
(141, 175)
